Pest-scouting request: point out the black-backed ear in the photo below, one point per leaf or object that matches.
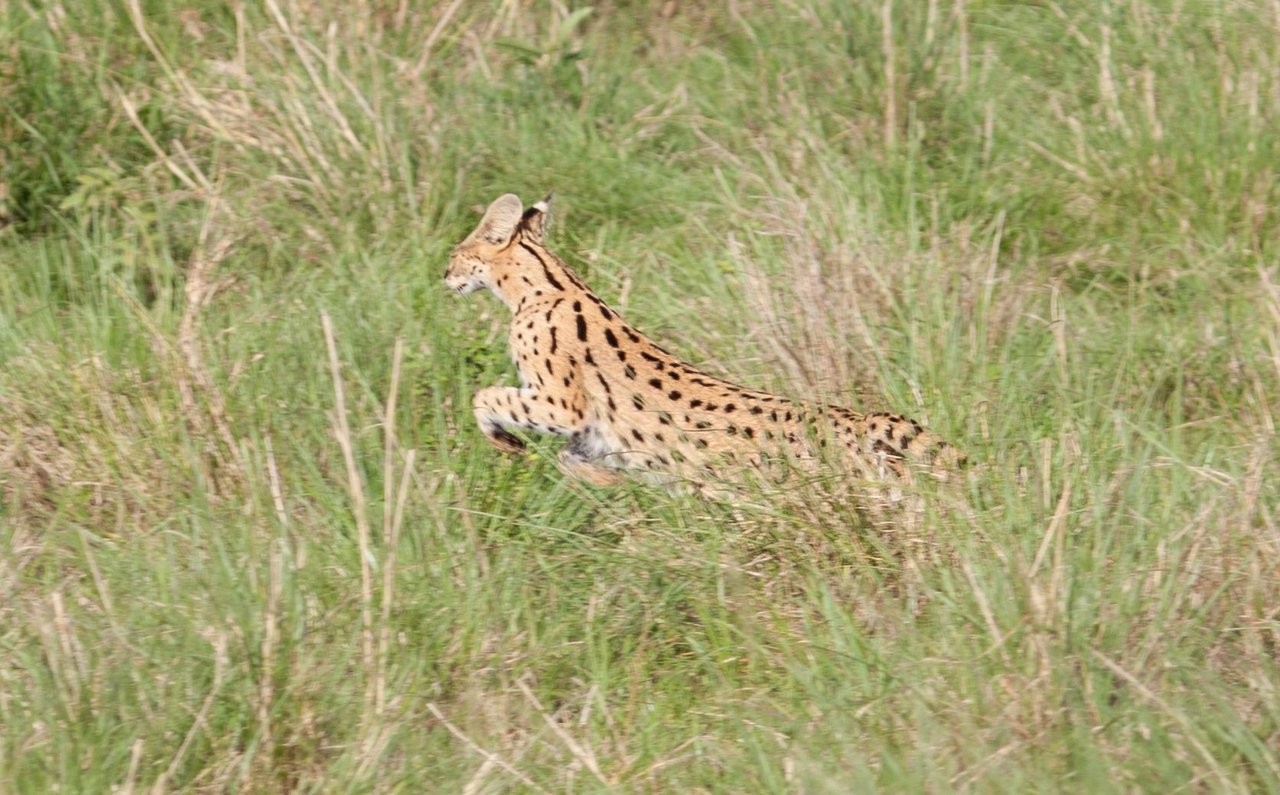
(537, 219)
(500, 221)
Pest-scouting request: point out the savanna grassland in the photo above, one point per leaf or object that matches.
(252, 540)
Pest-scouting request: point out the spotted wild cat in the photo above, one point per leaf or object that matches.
(627, 404)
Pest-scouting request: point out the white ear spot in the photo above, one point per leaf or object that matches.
(539, 217)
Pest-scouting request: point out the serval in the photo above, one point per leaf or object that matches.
(624, 403)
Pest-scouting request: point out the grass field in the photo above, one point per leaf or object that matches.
(243, 554)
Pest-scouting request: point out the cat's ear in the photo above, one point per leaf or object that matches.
(500, 221)
(537, 219)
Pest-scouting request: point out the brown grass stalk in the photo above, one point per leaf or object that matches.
(1183, 722)
(890, 76)
(322, 90)
(270, 638)
(489, 756)
(342, 432)
(429, 45)
(199, 290)
(585, 756)
(220, 663)
(391, 518)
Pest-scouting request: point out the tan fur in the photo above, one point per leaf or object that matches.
(627, 404)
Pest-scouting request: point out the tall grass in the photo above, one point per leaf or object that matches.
(252, 540)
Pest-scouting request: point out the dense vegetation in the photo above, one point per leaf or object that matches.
(252, 540)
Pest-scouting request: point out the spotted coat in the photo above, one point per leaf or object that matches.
(624, 403)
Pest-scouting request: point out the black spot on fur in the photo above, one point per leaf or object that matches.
(879, 446)
(582, 328)
(656, 383)
(611, 338)
(629, 371)
(674, 394)
(508, 438)
(546, 270)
